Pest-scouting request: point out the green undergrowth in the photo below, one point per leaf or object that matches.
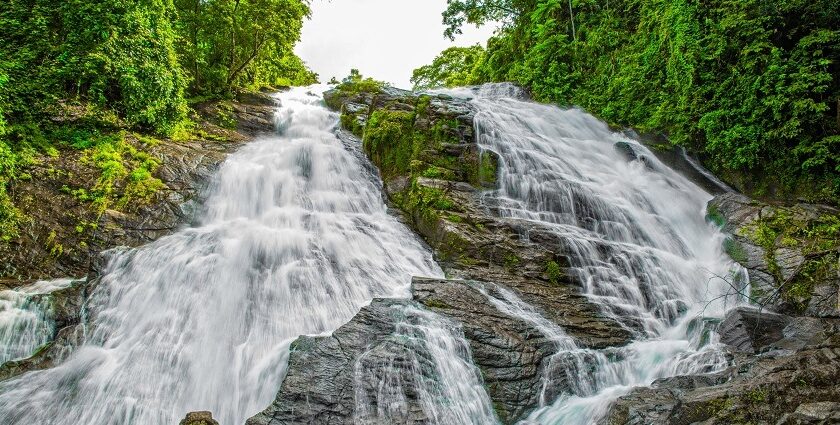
(553, 272)
(125, 172)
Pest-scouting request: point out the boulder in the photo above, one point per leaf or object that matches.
(379, 368)
(752, 330)
(763, 390)
(821, 413)
(198, 418)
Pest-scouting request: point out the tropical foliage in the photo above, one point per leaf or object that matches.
(105, 66)
(753, 86)
(452, 68)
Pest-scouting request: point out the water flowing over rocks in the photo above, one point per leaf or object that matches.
(381, 368)
(59, 305)
(786, 366)
(567, 277)
(519, 287)
(777, 388)
(293, 239)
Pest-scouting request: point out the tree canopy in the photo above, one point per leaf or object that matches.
(452, 68)
(110, 65)
(752, 86)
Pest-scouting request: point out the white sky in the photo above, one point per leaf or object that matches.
(384, 39)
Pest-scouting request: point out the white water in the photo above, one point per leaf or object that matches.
(294, 240)
(441, 375)
(636, 238)
(26, 320)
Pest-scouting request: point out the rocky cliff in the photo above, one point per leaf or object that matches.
(433, 174)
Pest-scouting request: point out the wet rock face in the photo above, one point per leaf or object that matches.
(433, 175)
(66, 308)
(199, 418)
(318, 387)
(66, 305)
(509, 351)
(349, 376)
(792, 253)
(750, 330)
(794, 382)
(376, 369)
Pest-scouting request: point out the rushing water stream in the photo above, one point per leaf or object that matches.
(294, 240)
(636, 239)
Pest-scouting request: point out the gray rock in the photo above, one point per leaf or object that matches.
(199, 418)
(822, 413)
(376, 369)
(510, 352)
(764, 389)
(751, 330)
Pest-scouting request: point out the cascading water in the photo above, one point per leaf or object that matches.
(636, 240)
(26, 321)
(294, 240)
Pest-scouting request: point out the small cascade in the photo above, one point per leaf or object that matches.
(26, 318)
(430, 363)
(634, 235)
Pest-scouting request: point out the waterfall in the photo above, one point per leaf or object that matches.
(634, 233)
(294, 239)
(26, 318)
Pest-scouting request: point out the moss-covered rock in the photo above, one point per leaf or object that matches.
(792, 253)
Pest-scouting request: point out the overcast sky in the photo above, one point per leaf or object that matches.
(384, 39)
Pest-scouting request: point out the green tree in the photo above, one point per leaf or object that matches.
(117, 54)
(231, 43)
(452, 68)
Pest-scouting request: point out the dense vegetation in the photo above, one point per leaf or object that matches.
(753, 86)
(79, 74)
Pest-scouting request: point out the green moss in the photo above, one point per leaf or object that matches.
(453, 247)
(435, 172)
(389, 141)
(713, 215)
(553, 272)
(55, 248)
(756, 395)
(735, 250)
(436, 304)
(512, 260)
(454, 218)
(488, 168)
(816, 239)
